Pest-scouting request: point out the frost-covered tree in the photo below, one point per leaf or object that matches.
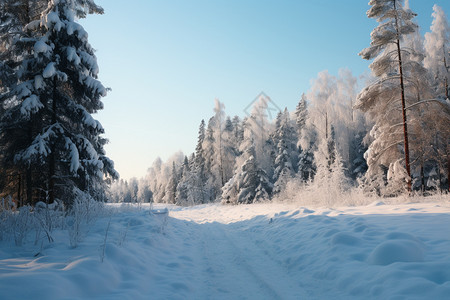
(437, 62)
(184, 185)
(301, 114)
(212, 165)
(230, 149)
(257, 129)
(249, 184)
(218, 124)
(198, 169)
(358, 165)
(172, 184)
(238, 131)
(306, 140)
(15, 132)
(286, 153)
(145, 194)
(330, 177)
(56, 94)
(381, 98)
(437, 58)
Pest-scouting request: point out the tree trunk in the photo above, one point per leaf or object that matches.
(446, 79)
(422, 179)
(52, 160)
(29, 188)
(28, 175)
(402, 89)
(19, 199)
(448, 171)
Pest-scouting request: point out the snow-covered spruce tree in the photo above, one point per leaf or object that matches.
(249, 184)
(57, 92)
(199, 165)
(286, 151)
(184, 186)
(15, 51)
(358, 165)
(306, 140)
(384, 98)
(230, 149)
(283, 168)
(212, 175)
(172, 184)
(301, 114)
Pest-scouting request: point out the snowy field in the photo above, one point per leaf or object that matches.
(258, 251)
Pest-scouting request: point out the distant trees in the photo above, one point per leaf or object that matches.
(437, 58)
(390, 137)
(437, 62)
(49, 140)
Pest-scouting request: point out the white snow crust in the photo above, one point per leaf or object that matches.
(258, 251)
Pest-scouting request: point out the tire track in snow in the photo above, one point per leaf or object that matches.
(236, 268)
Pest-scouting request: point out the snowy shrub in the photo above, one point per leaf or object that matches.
(48, 217)
(22, 224)
(83, 212)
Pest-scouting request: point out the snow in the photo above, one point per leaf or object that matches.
(95, 85)
(257, 251)
(41, 47)
(30, 105)
(38, 82)
(49, 70)
(74, 156)
(72, 56)
(52, 20)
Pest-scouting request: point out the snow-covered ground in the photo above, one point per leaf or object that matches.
(258, 251)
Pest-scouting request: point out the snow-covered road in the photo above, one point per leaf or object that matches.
(260, 251)
(224, 261)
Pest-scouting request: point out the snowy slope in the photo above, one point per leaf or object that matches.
(259, 251)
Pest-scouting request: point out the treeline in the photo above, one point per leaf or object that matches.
(50, 145)
(252, 159)
(391, 138)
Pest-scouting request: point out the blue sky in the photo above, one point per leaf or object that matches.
(167, 60)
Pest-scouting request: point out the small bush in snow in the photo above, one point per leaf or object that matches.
(83, 212)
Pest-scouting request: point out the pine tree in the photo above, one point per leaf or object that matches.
(379, 98)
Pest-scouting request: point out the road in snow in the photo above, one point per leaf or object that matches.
(261, 251)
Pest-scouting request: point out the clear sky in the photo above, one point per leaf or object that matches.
(167, 60)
